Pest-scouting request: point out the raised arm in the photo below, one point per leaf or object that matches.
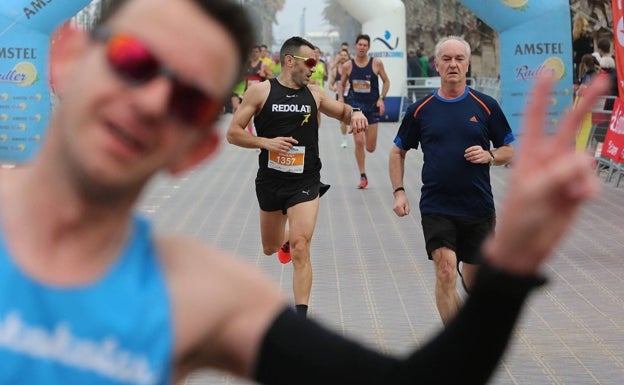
(549, 182)
(339, 110)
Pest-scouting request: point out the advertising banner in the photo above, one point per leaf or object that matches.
(618, 41)
(535, 37)
(25, 28)
(613, 146)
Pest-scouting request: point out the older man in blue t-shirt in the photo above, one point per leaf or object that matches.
(462, 132)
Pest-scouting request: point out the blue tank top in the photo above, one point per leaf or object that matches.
(364, 91)
(117, 330)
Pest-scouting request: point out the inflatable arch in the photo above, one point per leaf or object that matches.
(384, 22)
(535, 36)
(25, 29)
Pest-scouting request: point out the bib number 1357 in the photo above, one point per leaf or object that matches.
(291, 161)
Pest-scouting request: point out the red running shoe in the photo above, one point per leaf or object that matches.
(283, 254)
(363, 182)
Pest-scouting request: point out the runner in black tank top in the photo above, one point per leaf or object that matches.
(288, 183)
(290, 112)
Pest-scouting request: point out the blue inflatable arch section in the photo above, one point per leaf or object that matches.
(25, 29)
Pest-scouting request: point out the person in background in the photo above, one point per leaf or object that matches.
(424, 64)
(91, 294)
(334, 81)
(582, 43)
(258, 70)
(276, 65)
(603, 48)
(588, 67)
(237, 94)
(607, 66)
(319, 76)
(343, 46)
(363, 73)
(265, 55)
(413, 65)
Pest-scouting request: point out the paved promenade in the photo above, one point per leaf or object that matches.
(372, 279)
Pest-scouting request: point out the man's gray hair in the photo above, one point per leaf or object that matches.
(451, 37)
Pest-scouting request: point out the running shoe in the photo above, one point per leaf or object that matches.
(283, 254)
(343, 144)
(363, 182)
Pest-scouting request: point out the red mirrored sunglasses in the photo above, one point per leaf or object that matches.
(133, 62)
(309, 62)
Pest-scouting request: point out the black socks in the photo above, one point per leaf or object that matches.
(302, 310)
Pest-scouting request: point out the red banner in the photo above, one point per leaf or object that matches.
(613, 146)
(618, 41)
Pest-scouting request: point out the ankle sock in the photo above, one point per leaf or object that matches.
(302, 310)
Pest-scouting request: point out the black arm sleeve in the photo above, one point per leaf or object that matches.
(297, 350)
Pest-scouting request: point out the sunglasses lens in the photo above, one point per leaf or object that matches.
(131, 59)
(193, 107)
(310, 63)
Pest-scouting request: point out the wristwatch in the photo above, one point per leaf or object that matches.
(355, 109)
(491, 157)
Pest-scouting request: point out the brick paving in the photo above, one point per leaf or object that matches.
(371, 276)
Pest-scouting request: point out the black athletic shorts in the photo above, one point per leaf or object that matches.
(279, 194)
(463, 235)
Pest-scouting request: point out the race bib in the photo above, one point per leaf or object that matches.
(291, 161)
(361, 86)
(252, 81)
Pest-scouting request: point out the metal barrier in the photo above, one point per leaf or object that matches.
(600, 120)
(416, 88)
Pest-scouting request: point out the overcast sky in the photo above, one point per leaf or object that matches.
(289, 19)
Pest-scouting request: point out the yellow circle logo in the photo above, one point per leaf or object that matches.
(515, 4)
(28, 71)
(556, 65)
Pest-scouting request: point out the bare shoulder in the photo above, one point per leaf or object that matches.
(258, 92)
(317, 92)
(221, 305)
(377, 63)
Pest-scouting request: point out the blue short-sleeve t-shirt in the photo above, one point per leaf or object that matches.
(444, 129)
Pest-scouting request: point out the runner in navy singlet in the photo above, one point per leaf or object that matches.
(363, 74)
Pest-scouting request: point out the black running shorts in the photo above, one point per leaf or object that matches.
(279, 194)
(463, 235)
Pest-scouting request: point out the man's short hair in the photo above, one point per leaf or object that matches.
(451, 37)
(229, 13)
(362, 36)
(292, 46)
(604, 45)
